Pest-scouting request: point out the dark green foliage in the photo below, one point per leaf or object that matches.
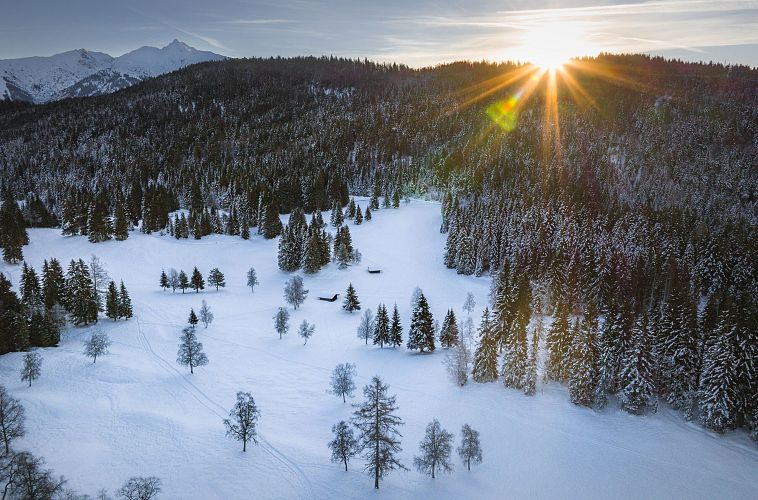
(396, 329)
(196, 282)
(81, 298)
(485, 357)
(421, 331)
(351, 300)
(381, 334)
(192, 320)
(449, 331)
(120, 223)
(13, 234)
(216, 278)
(184, 281)
(124, 302)
(112, 302)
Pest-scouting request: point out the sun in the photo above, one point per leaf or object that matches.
(551, 45)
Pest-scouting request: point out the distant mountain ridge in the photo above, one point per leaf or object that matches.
(79, 73)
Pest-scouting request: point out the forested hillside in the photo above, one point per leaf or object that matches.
(643, 212)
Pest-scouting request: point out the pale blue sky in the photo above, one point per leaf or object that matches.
(420, 32)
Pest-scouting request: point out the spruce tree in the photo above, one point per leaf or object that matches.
(351, 300)
(381, 333)
(337, 218)
(81, 298)
(515, 352)
(367, 217)
(192, 320)
(197, 282)
(112, 302)
(183, 283)
(120, 224)
(13, 235)
(313, 255)
(396, 329)
(421, 331)
(485, 357)
(636, 379)
(252, 279)
(378, 426)
(718, 386)
(272, 225)
(164, 280)
(98, 222)
(358, 215)
(558, 343)
(583, 355)
(216, 278)
(124, 302)
(31, 291)
(53, 284)
(449, 331)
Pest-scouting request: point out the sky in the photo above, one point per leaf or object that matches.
(414, 32)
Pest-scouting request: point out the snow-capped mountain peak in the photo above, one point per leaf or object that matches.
(82, 72)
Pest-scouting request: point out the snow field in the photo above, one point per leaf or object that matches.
(137, 412)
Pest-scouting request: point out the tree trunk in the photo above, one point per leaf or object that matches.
(191, 372)
(244, 445)
(345, 459)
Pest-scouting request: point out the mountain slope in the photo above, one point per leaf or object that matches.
(78, 73)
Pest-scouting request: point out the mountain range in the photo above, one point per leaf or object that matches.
(79, 73)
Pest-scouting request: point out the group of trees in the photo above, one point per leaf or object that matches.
(378, 439)
(13, 235)
(696, 359)
(180, 280)
(302, 245)
(46, 302)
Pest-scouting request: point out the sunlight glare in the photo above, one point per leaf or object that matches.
(551, 45)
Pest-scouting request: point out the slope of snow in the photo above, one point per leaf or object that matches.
(82, 72)
(136, 412)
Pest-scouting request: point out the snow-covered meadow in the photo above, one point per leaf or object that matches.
(137, 412)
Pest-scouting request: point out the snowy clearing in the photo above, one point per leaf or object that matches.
(137, 412)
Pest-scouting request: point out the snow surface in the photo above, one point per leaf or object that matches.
(136, 412)
(49, 78)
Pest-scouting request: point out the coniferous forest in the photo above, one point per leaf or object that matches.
(634, 230)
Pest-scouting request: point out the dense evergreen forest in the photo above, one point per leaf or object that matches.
(636, 230)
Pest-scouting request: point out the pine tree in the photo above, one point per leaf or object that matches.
(351, 209)
(13, 235)
(164, 280)
(718, 385)
(636, 379)
(183, 283)
(470, 449)
(449, 332)
(197, 282)
(190, 350)
(242, 421)
(396, 329)
(216, 278)
(281, 319)
(313, 255)
(192, 320)
(32, 368)
(121, 223)
(435, 449)
(378, 424)
(252, 279)
(98, 223)
(31, 291)
(81, 298)
(583, 354)
(351, 300)
(272, 225)
(367, 217)
(558, 344)
(374, 200)
(53, 284)
(344, 446)
(421, 331)
(515, 341)
(112, 302)
(381, 333)
(337, 218)
(485, 357)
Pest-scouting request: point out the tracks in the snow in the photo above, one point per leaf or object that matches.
(297, 474)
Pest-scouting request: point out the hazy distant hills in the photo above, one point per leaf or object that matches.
(79, 73)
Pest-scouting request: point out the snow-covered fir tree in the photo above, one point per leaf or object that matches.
(351, 300)
(449, 332)
(421, 330)
(485, 358)
(381, 333)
